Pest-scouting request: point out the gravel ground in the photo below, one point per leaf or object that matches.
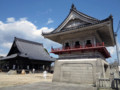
(19, 79)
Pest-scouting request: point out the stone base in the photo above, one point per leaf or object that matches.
(80, 71)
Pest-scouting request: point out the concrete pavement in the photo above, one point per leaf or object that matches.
(50, 86)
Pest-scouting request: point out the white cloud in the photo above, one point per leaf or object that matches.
(23, 19)
(22, 28)
(1, 54)
(11, 19)
(112, 50)
(44, 29)
(1, 22)
(50, 21)
(7, 45)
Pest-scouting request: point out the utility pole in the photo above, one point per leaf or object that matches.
(117, 48)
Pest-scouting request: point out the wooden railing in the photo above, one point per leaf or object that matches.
(76, 47)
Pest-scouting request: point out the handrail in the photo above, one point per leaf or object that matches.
(78, 46)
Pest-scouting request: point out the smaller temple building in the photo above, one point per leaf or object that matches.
(26, 55)
(82, 57)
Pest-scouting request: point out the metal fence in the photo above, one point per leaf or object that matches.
(115, 84)
(107, 83)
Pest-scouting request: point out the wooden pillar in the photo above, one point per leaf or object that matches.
(43, 67)
(49, 68)
(28, 67)
(94, 41)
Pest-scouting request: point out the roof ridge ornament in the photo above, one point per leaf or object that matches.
(110, 16)
(73, 7)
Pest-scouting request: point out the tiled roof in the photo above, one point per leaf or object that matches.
(29, 49)
(73, 8)
(94, 21)
(81, 26)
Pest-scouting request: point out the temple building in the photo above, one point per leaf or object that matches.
(82, 57)
(26, 55)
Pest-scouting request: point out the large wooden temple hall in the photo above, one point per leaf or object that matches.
(27, 55)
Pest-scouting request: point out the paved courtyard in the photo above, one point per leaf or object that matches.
(49, 86)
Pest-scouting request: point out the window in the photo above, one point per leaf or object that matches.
(88, 43)
(67, 45)
(77, 44)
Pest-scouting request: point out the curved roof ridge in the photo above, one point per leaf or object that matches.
(23, 40)
(81, 26)
(90, 17)
(73, 8)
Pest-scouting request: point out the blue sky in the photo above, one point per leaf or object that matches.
(27, 18)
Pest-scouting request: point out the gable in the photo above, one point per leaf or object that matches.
(74, 19)
(14, 49)
(74, 23)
